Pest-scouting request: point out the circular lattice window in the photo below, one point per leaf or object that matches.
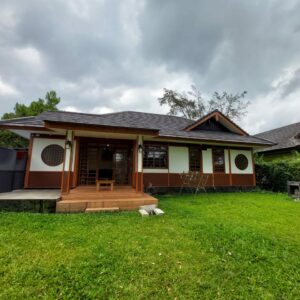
(53, 155)
(241, 162)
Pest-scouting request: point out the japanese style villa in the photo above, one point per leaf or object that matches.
(136, 150)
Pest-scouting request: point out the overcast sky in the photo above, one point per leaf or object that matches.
(102, 56)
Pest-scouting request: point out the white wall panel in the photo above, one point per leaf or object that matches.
(226, 155)
(234, 169)
(207, 161)
(38, 146)
(36, 163)
(178, 159)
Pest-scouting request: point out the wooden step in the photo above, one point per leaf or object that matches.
(151, 199)
(101, 209)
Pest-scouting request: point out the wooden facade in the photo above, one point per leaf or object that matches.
(129, 170)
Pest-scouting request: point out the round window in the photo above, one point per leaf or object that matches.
(241, 162)
(53, 155)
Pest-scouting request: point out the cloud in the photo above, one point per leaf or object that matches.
(7, 90)
(102, 56)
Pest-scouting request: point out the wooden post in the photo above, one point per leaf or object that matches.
(68, 162)
(134, 155)
(229, 160)
(29, 155)
(253, 167)
(139, 183)
(168, 164)
(213, 166)
(136, 165)
(76, 164)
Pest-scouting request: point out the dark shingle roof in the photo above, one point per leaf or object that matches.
(168, 126)
(284, 137)
(29, 121)
(128, 119)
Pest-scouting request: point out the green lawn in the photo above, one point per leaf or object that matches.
(220, 246)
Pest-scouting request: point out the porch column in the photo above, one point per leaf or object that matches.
(139, 169)
(68, 162)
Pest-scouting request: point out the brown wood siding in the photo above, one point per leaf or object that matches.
(40, 179)
(242, 180)
(157, 179)
(161, 179)
(175, 179)
(222, 179)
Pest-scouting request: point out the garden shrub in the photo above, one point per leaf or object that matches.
(273, 175)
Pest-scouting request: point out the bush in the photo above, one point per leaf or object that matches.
(273, 175)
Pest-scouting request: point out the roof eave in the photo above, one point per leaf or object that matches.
(227, 141)
(24, 127)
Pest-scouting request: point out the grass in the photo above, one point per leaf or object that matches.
(220, 246)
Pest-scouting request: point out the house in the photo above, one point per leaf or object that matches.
(286, 141)
(71, 150)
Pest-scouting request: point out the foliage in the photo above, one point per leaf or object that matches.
(215, 246)
(273, 175)
(290, 156)
(9, 139)
(193, 106)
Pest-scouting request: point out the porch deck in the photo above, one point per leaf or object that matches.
(88, 199)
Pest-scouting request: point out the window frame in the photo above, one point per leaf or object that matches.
(158, 166)
(214, 154)
(199, 149)
(59, 155)
(236, 163)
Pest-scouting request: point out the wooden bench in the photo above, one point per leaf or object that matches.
(106, 183)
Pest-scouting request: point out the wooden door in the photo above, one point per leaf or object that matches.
(122, 166)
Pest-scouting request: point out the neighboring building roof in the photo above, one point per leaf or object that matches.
(165, 125)
(286, 137)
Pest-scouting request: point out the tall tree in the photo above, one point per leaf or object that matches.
(9, 139)
(193, 106)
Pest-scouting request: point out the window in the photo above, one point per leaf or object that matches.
(195, 159)
(53, 155)
(241, 162)
(155, 157)
(218, 160)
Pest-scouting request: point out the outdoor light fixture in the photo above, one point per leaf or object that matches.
(140, 147)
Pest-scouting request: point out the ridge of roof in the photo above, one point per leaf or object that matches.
(114, 113)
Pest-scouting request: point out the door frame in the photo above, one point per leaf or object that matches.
(84, 142)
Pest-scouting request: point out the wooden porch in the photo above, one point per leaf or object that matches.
(88, 199)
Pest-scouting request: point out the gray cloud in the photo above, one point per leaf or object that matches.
(119, 55)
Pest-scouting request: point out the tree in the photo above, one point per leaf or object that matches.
(9, 139)
(193, 106)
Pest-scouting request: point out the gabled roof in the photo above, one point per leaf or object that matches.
(164, 126)
(221, 118)
(286, 137)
